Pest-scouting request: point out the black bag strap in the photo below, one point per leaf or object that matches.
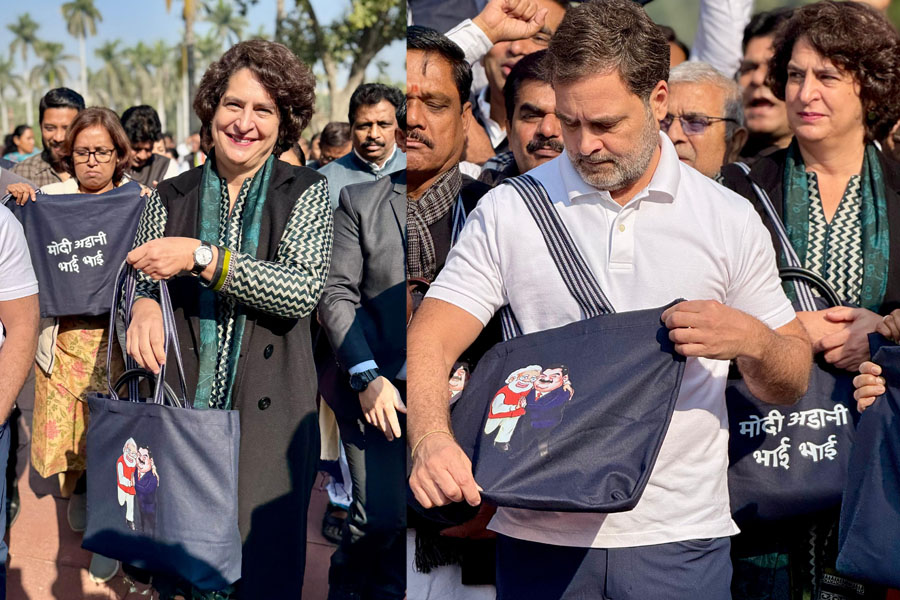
(569, 261)
(137, 374)
(811, 278)
(124, 292)
(458, 219)
(801, 283)
(508, 323)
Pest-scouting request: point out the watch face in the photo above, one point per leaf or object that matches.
(360, 381)
(203, 255)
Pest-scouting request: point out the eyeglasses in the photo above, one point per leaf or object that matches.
(83, 156)
(691, 124)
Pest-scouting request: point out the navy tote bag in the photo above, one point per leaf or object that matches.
(572, 418)
(789, 461)
(77, 242)
(869, 533)
(162, 476)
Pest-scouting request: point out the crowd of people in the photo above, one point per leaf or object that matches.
(547, 156)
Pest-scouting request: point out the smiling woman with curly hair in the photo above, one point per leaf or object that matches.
(247, 238)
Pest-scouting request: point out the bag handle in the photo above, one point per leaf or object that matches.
(458, 219)
(570, 263)
(508, 323)
(808, 277)
(169, 313)
(801, 284)
(137, 374)
(124, 291)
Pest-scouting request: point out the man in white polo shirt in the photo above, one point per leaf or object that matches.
(19, 317)
(651, 229)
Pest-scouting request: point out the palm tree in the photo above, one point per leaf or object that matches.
(138, 57)
(81, 20)
(160, 59)
(189, 15)
(110, 77)
(8, 79)
(279, 21)
(98, 80)
(51, 69)
(208, 49)
(24, 37)
(227, 25)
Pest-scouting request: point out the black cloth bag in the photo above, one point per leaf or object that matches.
(184, 511)
(788, 461)
(608, 386)
(869, 534)
(77, 242)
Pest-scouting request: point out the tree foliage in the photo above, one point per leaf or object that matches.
(51, 69)
(227, 23)
(24, 32)
(348, 45)
(81, 18)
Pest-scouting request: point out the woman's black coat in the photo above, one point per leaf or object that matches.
(768, 173)
(274, 390)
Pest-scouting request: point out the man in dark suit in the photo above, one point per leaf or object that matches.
(362, 311)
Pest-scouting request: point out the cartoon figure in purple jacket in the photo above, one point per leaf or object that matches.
(146, 484)
(546, 402)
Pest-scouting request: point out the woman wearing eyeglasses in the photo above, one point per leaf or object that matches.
(71, 349)
(837, 68)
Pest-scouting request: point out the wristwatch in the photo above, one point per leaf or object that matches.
(203, 255)
(360, 381)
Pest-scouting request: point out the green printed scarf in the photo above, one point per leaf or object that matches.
(873, 216)
(210, 212)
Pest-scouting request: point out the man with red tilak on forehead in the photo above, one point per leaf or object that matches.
(438, 118)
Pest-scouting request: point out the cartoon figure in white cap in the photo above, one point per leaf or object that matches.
(509, 404)
(125, 468)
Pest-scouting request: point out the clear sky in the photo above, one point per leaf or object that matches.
(147, 20)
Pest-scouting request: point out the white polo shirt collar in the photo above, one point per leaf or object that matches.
(663, 186)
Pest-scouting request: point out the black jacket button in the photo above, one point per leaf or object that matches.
(268, 351)
(264, 403)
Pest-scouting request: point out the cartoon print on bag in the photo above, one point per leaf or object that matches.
(126, 465)
(458, 380)
(146, 484)
(508, 405)
(546, 402)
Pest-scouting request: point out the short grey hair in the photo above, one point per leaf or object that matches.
(701, 72)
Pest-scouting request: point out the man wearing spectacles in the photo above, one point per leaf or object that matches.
(705, 118)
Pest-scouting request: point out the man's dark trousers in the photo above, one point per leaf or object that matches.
(688, 570)
(370, 562)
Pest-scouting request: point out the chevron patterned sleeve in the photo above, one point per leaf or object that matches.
(289, 286)
(151, 226)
